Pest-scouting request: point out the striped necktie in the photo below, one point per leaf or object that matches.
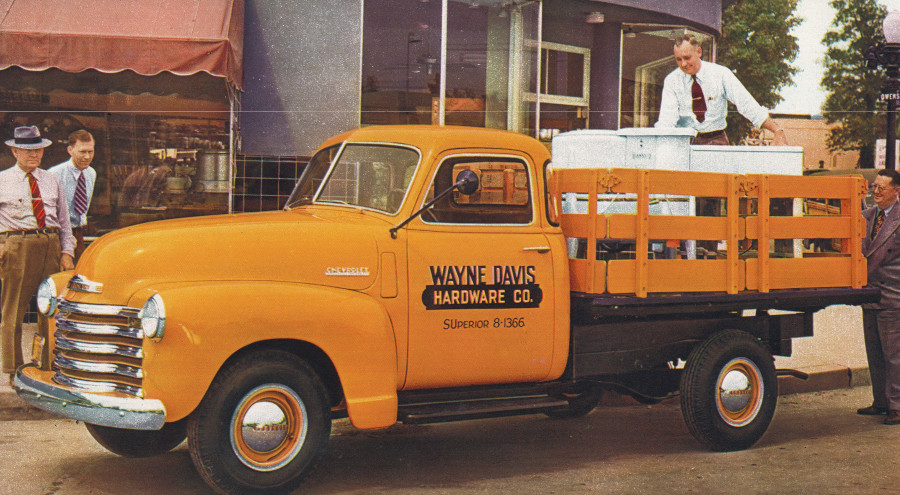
(37, 204)
(81, 201)
(698, 101)
(876, 225)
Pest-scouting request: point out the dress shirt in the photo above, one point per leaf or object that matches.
(719, 86)
(15, 204)
(68, 174)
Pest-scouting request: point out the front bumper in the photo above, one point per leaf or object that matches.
(37, 388)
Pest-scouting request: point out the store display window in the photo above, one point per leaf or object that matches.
(162, 143)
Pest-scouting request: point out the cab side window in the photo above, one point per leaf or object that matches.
(503, 195)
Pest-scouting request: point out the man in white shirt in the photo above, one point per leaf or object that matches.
(78, 179)
(696, 95)
(35, 238)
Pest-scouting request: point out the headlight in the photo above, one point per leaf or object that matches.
(153, 317)
(46, 297)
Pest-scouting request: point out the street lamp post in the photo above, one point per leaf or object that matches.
(887, 55)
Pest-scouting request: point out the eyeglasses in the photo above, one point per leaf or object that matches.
(879, 188)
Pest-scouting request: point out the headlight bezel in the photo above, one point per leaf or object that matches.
(46, 297)
(153, 317)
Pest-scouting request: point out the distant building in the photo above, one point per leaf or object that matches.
(812, 133)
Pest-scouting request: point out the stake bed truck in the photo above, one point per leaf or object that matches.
(430, 274)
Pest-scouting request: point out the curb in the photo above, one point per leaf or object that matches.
(821, 378)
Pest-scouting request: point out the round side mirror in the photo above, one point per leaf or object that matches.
(467, 182)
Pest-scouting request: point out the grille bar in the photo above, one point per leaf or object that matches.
(97, 387)
(108, 349)
(66, 362)
(98, 329)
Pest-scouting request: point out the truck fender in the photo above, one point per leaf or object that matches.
(208, 323)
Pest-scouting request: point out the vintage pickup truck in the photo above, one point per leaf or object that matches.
(429, 274)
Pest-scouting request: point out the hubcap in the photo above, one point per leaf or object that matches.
(268, 427)
(739, 392)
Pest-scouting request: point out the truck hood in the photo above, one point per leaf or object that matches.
(331, 248)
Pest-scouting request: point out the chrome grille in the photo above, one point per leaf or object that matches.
(98, 348)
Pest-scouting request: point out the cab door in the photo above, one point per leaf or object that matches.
(481, 298)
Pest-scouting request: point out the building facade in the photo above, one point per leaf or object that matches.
(215, 107)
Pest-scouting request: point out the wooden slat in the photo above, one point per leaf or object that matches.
(579, 276)
(802, 273)
(667, 276)
(813, 227)
(792, 186)
(675, 182)
(622, 226)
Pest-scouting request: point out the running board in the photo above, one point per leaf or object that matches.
(440, 412)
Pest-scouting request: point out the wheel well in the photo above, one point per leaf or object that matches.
(310, 353)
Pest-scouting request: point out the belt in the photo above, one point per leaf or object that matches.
(45, 230)
(710, 134)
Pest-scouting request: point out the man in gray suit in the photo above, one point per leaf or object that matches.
(881, 321)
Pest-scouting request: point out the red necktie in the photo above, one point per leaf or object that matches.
(37, 204)
(876, 225)
(698, 101)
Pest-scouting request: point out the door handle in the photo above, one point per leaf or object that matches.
(540, 249)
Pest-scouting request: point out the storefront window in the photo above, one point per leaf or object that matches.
(487, 62)
(162, 142)
(646, 60)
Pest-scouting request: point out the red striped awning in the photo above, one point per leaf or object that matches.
(183, 37)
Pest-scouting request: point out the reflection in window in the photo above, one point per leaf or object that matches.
(565, 89)
(162, 142)
(502, 196)
(487, 62)
(375, 177)
(646, 61)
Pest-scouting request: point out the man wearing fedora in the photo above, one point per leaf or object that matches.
(35, 237)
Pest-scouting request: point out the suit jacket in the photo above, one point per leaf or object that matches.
(883, 257)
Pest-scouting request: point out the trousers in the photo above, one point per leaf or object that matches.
(881, 330)
(25, 260)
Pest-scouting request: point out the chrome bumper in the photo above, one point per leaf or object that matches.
(98, 409)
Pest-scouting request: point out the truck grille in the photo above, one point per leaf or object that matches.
(98, 348)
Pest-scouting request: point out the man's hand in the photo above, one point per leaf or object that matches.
(66, 262)
(779, 138)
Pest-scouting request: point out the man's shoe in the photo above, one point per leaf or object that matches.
(893, 417)
(872, 410)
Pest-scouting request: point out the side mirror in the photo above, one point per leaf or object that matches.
(467, 182)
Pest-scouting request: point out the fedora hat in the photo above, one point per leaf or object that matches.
(28, 138)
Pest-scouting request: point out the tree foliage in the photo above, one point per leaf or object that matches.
(758, 46)
(853, 90)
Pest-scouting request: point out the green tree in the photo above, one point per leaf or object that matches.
(853, 89)
(758, 46)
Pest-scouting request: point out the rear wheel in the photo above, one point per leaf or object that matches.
(729, 391)
(262, 426)
(139, 443)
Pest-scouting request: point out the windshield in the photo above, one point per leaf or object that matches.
(365, 175)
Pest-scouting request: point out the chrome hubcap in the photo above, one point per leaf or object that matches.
(739, 392)
(268, 427)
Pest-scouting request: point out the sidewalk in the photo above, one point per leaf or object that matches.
(834, 358)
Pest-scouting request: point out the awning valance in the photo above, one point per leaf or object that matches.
(146, 36)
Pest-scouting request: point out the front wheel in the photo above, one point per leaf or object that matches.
(262, 426)
(729, 391)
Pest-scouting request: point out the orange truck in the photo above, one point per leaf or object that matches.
(426, 274)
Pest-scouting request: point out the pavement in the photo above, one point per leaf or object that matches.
(834, 358)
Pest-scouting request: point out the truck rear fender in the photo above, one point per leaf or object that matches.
(207, 324)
